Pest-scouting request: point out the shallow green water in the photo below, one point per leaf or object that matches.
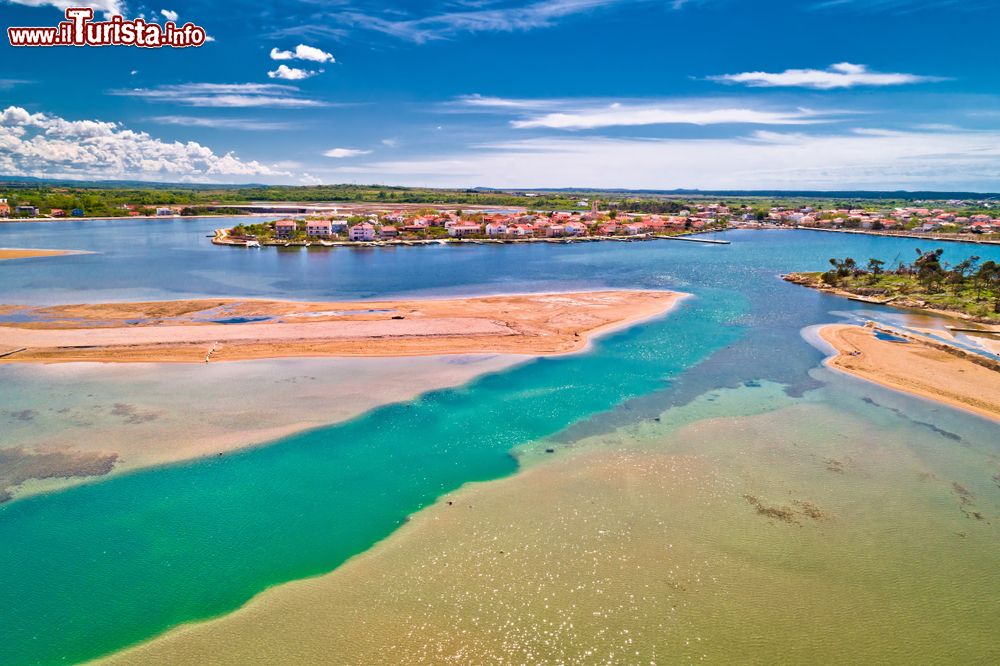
(92, 569)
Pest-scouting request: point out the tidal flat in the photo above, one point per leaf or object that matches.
(744, 527)
(65, 424)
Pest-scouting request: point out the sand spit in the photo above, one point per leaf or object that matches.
(917, 367)
(224, 330)
(24, 253)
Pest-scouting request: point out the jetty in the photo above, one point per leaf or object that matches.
(694, 239)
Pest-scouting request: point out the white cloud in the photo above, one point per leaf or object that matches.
(108, 7)
(38, 144)
(309, 179)
(303, 52)
(222, 123)
(840, 75)
(345, 152)
(169, 14)
(291, 73)
(529, 16)
(856, 159)
(626, 115)
(224, 95)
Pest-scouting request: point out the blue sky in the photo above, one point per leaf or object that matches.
(817, 94)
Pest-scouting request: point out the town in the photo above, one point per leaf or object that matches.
(431, 225)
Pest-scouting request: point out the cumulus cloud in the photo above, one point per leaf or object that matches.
(43, 145)
(840, 75)
(303, 52)
(341, 153)
(223, 95)
(291, 73)
(850, 159)
(169, 14)
(108, 7)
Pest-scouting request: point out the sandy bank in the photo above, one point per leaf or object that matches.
(25, 253)
(221, 330)
(915, 367)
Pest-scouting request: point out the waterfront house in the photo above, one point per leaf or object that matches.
(633, 229)
(607, 229)
(463, 229)
(57, 212)
(416, 227)
(29, 210)
(575, 229)
(318, 228)
(388, 231)
(496, 229)
(163, 210)
(521, 230)
(285, 228)
(362, 232)
(4, 208)
(338, 226)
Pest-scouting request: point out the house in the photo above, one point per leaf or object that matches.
(57, 212)
(389, 232)
(607, 229)
(4, 208)
(285, 228)
(416, 227)
(463, 229)
(496, 229)
(521, 230)
(338, 226)
(163, 210)
(575, 229)
(555, 230)
(29, 210)
(77, 212)
(317, 228)
(633, 229)
(362, 232)
(395, 217)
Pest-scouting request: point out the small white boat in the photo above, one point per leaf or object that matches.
(253, 243)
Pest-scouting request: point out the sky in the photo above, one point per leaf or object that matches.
(636, 94)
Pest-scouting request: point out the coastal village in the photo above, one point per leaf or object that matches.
(499, 225)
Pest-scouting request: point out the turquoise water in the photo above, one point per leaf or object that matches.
(92, 569)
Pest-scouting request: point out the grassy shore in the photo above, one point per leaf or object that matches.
(967, 300)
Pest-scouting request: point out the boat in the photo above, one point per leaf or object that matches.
(253, 243)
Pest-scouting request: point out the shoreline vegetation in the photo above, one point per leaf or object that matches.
(968, 290)
(199, 331)
(916, 365)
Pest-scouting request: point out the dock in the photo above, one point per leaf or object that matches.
(695, 239)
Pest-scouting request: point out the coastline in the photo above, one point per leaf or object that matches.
(916, 366)
(171, 331)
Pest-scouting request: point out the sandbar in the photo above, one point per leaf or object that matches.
(25, 253)
(227, 330)
(917, 366)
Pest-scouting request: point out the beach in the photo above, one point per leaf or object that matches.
(916, 367)
(230, 330)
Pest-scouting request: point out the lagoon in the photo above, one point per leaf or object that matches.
(93, 569)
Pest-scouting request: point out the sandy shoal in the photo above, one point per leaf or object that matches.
(916, 368)
(19, 253)
(646, 548)
(176, 331)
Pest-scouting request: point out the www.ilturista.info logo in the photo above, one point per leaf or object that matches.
(79, 29)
